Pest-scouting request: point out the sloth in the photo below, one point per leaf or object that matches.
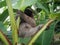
(27, 27)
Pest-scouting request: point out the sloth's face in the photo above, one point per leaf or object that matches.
(28, 12)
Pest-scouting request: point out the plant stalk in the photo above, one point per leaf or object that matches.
(13, 23)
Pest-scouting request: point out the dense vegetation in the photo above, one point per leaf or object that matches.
(45, 12)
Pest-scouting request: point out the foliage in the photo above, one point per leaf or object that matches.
(47, 10)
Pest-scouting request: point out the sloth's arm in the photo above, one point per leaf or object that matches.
(26, 30)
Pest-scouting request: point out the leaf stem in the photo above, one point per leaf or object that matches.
(13, 23)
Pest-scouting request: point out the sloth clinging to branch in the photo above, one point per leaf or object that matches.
(27, 26)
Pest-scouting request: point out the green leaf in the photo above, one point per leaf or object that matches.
(43, 6)
(24, 40)
(42, 15)
(2, 3)
(57, 0)
(45, 1)
(4, 15)
(3, 28)
(55, 16)
(22, 4)
(46, 36)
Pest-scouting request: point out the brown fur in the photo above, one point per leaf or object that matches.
(28, 27)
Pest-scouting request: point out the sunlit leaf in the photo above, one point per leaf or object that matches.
(22, 4)
(55, 16)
